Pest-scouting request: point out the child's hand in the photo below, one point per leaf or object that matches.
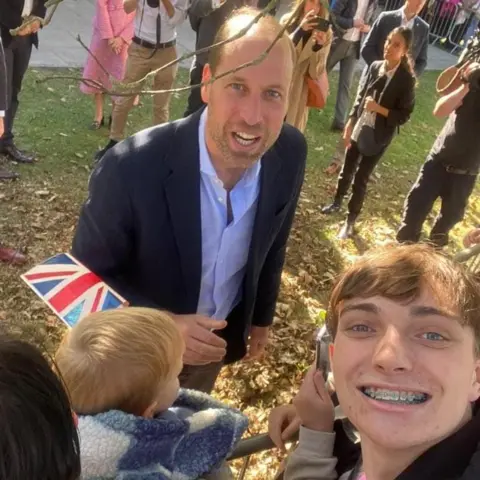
(283, 423)
(313, 403)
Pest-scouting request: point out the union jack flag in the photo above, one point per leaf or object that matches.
(70, 289)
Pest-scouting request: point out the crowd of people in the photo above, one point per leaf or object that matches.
(189, 222)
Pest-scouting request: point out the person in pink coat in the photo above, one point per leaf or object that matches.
(112, 33)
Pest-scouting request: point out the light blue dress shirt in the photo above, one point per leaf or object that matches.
(224, 247)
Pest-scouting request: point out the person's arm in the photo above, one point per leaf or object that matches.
(369, 49)
(361, 91)
(422, 59)
(270, 276)
(336, 12)
(202, 8)
(449, 103)
(39, 9)
(178, 14)
(103, 20)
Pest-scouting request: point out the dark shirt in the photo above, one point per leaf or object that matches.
(458, 144)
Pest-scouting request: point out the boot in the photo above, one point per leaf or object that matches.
(333, 207)
(347, 230)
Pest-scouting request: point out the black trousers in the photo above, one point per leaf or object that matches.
(357, 168)
(17, 57)
(194, 101)
(435, 181)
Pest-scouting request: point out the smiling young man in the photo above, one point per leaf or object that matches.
(406, 366)
(193, 216)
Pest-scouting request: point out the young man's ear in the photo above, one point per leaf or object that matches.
(475, 393)
(205, 89)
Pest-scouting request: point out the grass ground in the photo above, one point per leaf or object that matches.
(39, 213)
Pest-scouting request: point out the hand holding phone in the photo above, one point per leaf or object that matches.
(322, 24)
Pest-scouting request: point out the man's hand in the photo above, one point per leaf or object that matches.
(35, 26)
(472, 238)
(283, 423)
(202, 346)
(365, 28)
(313, 403)
(2, 126)
(257, 342)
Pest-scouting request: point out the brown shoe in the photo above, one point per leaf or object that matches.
(12, 256)
(6, 175)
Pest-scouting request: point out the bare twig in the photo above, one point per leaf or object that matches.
(99, 63)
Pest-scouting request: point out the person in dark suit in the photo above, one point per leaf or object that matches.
(18, 49)
(407, 16)
(385, 100)
(193, 216)
(8, 255)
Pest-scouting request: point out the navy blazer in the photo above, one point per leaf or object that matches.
(140, 228)
(372, 49)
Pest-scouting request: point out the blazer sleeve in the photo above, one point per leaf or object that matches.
(405, 104)
(103, 240)
(270, 276)
(3, 81)
(362, 89)
(338, 8)
(10, 17)
(422, 59)
(370, 46)
(103, 22)
(39, 9)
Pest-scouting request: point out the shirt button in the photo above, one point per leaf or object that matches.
(220, 199)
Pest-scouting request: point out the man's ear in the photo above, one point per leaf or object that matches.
(475, 392)
(205, 89)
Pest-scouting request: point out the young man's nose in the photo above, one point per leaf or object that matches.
(251, 110)
(392, 354)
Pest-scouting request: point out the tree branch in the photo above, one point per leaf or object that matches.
(30, 20)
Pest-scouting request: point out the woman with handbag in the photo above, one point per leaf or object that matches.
(312, 35)
(385, 100)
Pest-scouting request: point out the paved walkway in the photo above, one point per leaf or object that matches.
(59, 47)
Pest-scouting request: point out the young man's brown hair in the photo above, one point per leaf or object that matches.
(401, 273)
(118, 359)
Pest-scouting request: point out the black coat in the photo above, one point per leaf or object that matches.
(140, 229)
(11, 17)
(3, 79)
(399, 98)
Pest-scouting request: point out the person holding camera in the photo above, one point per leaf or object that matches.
(385, 100)
(152, 47)
(452, 166)
(312, 37)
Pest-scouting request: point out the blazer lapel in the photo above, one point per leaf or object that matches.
(182, 189)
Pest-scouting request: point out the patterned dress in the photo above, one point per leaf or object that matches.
(110, 21)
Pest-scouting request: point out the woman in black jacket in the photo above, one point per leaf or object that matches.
(385, 100)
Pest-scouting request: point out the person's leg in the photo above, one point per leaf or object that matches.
(345, 80)
(200, 377)
(194, 101)
(420, 200)
(17, 59)
(98, 107)
(455, 195)
(359, 187)
(352, 159)
(163, 80)
(138, 65)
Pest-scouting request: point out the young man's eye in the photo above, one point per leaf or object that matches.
(433, 336)
(360, 328)
(237, 86)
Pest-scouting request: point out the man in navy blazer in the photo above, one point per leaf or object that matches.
(372, 49)
(193, 216)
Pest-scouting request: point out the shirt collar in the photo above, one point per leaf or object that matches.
(206, 166)
(405, 22)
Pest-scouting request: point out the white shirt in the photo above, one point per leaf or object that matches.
(27, 8)
(353, 34)
(368, 118)
(146, 21)
(407, 23)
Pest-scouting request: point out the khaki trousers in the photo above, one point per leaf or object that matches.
(140, 62)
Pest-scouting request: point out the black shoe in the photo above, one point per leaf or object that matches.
(332, 208)
(336, 127)
(104, 150)
(347, 231)
(6, 175)
(14, 154)
(97, 125)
